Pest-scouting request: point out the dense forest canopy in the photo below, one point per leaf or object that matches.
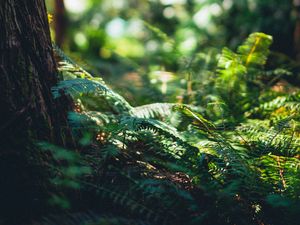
(127, 112)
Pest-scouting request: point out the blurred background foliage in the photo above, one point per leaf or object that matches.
(161, 50)
(236, 135)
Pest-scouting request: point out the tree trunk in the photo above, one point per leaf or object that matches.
(297, 30)
(28, 112)
(60, 22)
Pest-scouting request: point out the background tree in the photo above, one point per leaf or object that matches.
(60, 22)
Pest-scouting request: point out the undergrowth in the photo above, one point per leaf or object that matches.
(228, 154)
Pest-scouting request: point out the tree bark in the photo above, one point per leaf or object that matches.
(28, 111)
(60, 22)
(297, 30)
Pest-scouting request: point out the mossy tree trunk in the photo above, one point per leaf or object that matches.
(28, 112)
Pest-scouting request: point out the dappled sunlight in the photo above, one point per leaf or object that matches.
(76, 6)
(150, 112)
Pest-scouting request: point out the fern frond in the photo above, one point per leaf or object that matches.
(88, 119)
(255, 50)
(88, 218)
(230, 67)
(197, 119)
(78, 87)
(155, 110)
(168, 134)
(80, 84)
(282, 172)
(287, 104)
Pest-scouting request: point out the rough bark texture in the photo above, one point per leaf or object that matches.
(27, 109)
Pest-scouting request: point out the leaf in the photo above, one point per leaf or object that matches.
(255, 50)
(50, 18)
(198, 120)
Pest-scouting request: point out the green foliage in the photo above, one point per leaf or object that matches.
(155, 110)
(238, 73)
(230, 156)
(255, 50)
(67, 168)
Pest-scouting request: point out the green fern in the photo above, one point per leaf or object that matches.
(254, 51)
(155, 110)
(156, 169)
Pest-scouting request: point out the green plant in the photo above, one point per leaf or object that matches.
(234, 160)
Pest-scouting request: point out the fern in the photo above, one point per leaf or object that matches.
(161, 171)
(80, 84)
(238, 73)
(285, 105)
(255, 50)
(155, 110)
(78, 87)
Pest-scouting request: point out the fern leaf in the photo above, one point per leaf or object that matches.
(255, 50)
(156, 110)
(77, 82)
(198, 120)
(77, 87)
